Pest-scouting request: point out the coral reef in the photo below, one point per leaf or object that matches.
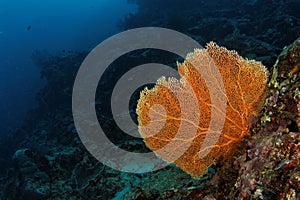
(44, 159)
(271, 166)
(257, 29)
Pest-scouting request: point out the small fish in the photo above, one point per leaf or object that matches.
(285, 164)
(28, 28)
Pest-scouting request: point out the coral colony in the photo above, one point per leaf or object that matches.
(245, 83)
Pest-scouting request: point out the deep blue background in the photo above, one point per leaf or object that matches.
(56, 25)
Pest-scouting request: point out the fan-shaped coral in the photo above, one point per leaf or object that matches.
(245, 88)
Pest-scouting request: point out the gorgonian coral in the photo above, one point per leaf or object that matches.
(245, 83)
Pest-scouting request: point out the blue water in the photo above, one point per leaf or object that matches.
(51, 26)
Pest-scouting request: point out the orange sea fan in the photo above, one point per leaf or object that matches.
(163, 120)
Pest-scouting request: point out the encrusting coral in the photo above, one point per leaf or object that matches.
(245, 83)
